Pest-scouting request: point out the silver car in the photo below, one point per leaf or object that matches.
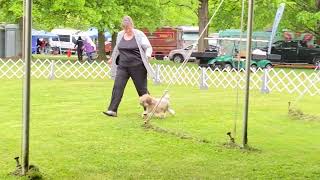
(179, 55)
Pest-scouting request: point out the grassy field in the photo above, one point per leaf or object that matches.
(72, 139)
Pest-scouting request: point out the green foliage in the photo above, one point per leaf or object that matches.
(300, 15)
(146, 14)
(10, 10)
(103, 14)
(180, 12)
(49, 14)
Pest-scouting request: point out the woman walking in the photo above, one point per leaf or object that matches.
(130, 58)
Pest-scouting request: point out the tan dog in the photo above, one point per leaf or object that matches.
(150, 103)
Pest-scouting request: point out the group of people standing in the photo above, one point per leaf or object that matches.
(43, 46)
(86, 46)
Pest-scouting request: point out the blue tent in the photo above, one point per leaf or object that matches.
(40, 34)
(93, 33)
(43, 34)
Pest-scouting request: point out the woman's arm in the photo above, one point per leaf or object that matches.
(145, 44)
(119, 36)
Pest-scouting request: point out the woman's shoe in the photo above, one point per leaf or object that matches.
(110, 113)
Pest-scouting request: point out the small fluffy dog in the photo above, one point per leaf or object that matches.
(161, 110)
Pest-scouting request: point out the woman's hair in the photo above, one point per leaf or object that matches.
(127, 21)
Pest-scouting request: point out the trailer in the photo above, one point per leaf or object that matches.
(165, 39)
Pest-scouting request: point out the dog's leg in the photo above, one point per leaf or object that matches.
(162, 115)
(145, 113)
(171, 111)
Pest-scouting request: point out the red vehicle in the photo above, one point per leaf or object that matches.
(107, 47)
(166, 39)
(163, 40)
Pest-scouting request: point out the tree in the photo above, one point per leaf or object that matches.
(107, 15)
(81, 14)
(203, 21)
(104, 15)
(46, 14)
(299, 15)
(180, 12)
(304, 15)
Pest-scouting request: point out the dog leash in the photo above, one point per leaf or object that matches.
(150, 115)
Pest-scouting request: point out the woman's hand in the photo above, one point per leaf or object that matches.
(150, 58)
(110, 61)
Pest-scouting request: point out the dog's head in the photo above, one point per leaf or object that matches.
(145, 100)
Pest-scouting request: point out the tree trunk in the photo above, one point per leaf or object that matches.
(318, 24)
(101, 39)
(203, 20)
(114, 40)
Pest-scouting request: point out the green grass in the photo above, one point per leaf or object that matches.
(71, 139)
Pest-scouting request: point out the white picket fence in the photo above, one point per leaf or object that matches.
(265, 80)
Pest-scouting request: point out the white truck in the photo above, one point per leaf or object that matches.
(67, 39)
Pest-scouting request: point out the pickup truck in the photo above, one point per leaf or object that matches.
(295, 52)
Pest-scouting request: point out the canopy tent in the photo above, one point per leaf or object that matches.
(43, 34)
(38, 35)
(93, 33)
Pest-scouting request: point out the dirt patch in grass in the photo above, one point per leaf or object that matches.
(297, 114)
(181, 135)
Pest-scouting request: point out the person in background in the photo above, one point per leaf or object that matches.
(47, 47)
(79, 46)
(130, 58)
(38, 45)
(89, 48)
(42, 46)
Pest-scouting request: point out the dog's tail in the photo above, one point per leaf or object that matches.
(167, 97)
(171, 111)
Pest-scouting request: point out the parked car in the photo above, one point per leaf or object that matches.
(179, 55)
(295, 52)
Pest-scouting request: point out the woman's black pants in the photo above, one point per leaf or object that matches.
(79, 52)
(138, 75)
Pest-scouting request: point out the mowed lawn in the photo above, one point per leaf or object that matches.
(72, 139)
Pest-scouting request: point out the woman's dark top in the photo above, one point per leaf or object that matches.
(79, 44)
(129, 54)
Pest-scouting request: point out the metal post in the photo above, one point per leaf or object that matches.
(26, 86)
(248, 56)
(157, 77)
(265, 80)
(51, 75)
(203, 79)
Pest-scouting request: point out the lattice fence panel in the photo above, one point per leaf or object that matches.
(276, 80)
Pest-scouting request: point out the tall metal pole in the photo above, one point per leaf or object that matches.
(26, 85)
(248, 56)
